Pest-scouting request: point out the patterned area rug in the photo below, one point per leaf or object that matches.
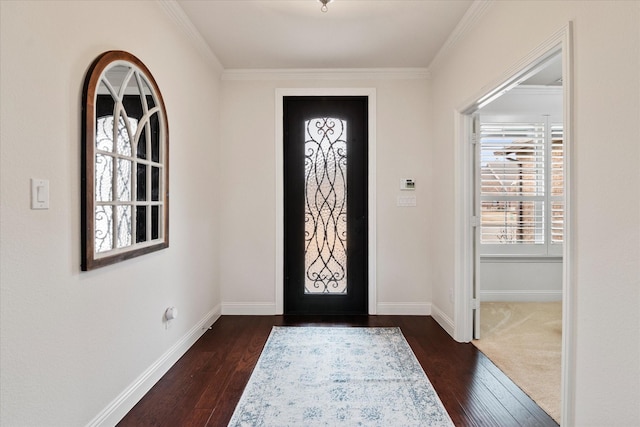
(327, 376)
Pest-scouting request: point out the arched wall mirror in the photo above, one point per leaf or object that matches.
(125, 171)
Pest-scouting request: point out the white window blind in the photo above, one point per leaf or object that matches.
(557, 184)
(521, 181)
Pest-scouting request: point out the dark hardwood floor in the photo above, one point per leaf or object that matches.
(204, 386)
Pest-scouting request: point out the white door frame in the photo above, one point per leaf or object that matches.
(464, 250)
(370, 93)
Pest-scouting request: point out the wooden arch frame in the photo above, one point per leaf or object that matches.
(127, 214)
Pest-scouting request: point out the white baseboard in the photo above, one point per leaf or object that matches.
(404, 308)
(269, 309)
(126, 400)
(443, 320)
(248, 308)
(520, 296)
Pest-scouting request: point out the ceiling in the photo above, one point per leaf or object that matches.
(295, 34)
(548, 74)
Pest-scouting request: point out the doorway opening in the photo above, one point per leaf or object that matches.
(325, 204)
(519, 183)
(514, 151)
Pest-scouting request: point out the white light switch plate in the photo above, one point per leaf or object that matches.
(407, 201)
(39, 193)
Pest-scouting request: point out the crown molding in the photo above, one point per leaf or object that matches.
(175, 12)
(327, 74)
(468, 21)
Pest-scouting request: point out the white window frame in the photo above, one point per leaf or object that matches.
(546, 247)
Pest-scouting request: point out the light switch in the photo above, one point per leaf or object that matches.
(407, 201)
(39, 193)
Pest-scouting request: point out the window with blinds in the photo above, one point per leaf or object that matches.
(521, 187)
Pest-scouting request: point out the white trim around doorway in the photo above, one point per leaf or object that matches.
(370, 93)
(464, 255)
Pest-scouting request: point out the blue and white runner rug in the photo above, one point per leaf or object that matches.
(328, 376)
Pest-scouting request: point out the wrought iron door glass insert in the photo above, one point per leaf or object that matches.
(325, 206)
(104, 185)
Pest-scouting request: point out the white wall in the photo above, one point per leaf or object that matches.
(247, 260)
(73, 341)
(606, 252)
(520, 280)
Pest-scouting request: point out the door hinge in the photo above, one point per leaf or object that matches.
(475, 304)
(474, 221)
(474, 138)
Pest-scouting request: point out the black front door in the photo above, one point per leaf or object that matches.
(325, 204)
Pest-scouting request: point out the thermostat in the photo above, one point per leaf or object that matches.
(407, 184)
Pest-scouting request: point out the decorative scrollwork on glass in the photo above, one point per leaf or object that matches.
(325, 206)
(124, 131)
(104, 227)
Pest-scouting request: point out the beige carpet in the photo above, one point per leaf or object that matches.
(525, 341)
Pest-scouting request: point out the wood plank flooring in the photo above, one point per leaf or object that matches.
(204, 386)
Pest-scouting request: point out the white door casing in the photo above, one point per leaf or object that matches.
(465, 252)
(370, 93)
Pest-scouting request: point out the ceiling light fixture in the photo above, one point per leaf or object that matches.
(324, 7)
